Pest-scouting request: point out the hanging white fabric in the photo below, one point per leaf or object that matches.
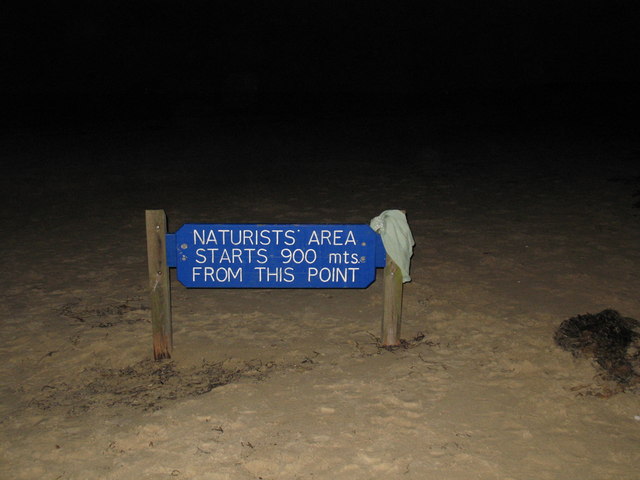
(397, 238)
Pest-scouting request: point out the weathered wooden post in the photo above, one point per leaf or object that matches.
(159, 284)
(392, 304)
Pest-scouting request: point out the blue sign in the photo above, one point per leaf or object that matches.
(275, 256)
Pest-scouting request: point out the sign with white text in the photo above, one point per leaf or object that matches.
(275, 256)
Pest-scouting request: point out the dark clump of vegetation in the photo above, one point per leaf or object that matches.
(612, 340)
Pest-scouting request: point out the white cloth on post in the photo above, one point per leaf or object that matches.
(397, 239)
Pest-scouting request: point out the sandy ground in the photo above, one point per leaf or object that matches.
(516, 230)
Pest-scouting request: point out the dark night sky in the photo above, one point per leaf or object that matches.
(216, 49)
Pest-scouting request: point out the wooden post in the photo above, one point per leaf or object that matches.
(392, 303)
(159, 284)
(392, 315)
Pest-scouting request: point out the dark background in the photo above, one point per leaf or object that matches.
(109, 59)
